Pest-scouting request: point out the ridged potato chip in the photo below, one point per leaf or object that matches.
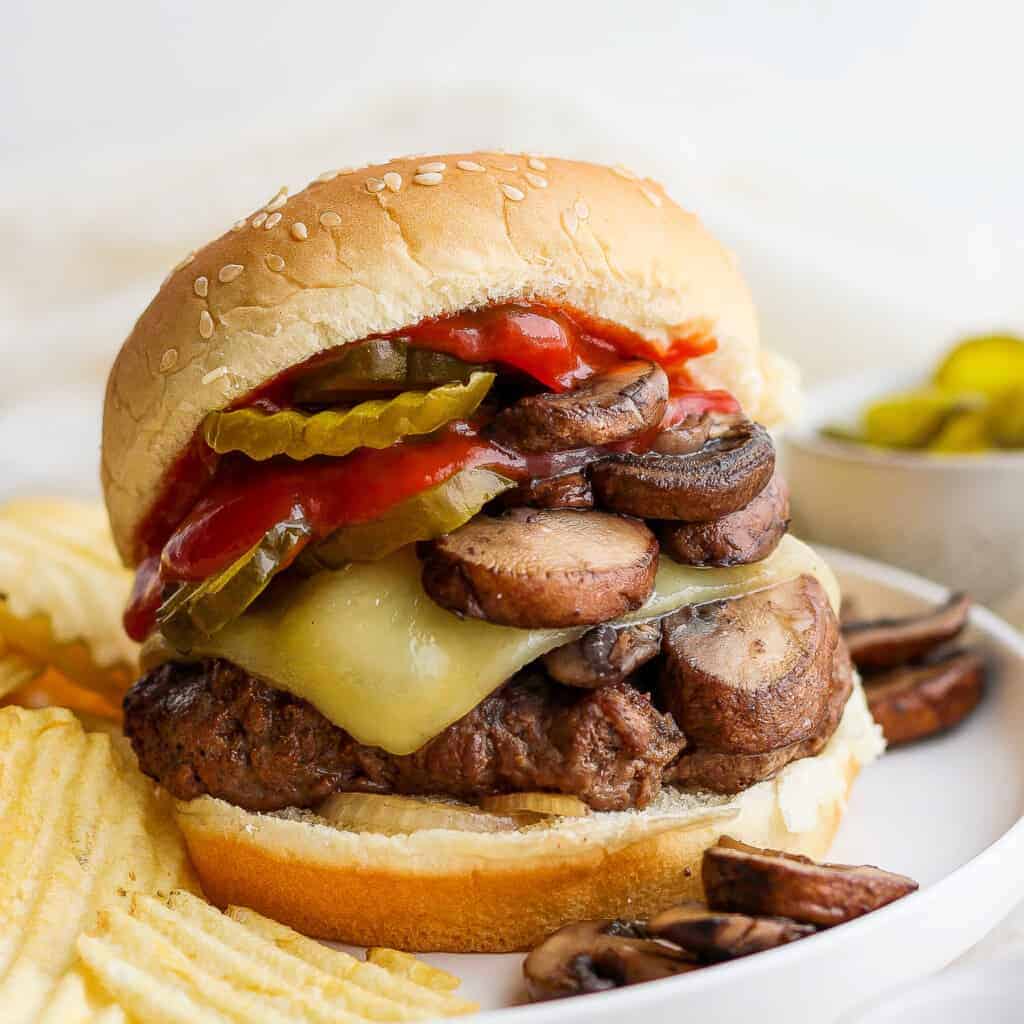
(62, 592)
(174, 959)
(411, 967)
(81, 827)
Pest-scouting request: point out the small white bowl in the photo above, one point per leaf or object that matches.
(957, 519)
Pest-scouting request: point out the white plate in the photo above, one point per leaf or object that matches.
(945, 812)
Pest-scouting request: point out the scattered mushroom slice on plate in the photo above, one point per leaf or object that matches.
(609, 407)
(604, 654)
(713, 935)
(594, 956)
(751, 674)
(886, 643)
(725, 474)
(739, 538)
(546, 568)
(916, 701)
(747, 880)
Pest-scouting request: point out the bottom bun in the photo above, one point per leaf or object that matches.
(466, 892)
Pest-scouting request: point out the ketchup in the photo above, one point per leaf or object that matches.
(239, 500)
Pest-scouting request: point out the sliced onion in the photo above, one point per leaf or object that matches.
(399, 815)
(555, 805)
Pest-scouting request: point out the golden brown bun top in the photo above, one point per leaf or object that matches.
(368, 251)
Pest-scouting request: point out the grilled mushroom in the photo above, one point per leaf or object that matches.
(739, 538)
(569, 490)
(733, 773)
(594, 956)
(540, 569)
(604, 654)
(886, 643)
(689, 436)
(915, 701)
(747, 880)
(722, 476)
(614, 406)
(751, 674)
(713, 935)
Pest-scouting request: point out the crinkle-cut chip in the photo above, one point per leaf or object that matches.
(16, 671)
(408, 966)
(63, 590)
(79, 1000)
(50, 688)
(81, 825)
(174, 958)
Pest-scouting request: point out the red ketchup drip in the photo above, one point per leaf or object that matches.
(558, 347)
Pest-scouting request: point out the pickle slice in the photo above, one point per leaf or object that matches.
(429, 514)
(378, 423)
(911, 419)
(384, 365)
(1006, 419)
(962, 432)
(201, 609)
(988, 365)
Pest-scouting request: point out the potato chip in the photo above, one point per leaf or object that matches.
(174, 959)
(50, 688)
(62, 592)
(81, 825)
(16, 671)
(411, 967)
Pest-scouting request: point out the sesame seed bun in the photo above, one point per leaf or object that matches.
(368, 251)
(469, 892)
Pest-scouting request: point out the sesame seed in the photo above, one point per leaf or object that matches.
(537, 164)
(329, 219)
(581, 209)
(428, 178)
(258, 220)
(272, 221)
(470, 165)
(374, 185)
(238, 225)
(652, 197)
(536, 180)
(201, 287)
(393, 180)
(432, 168)
(624, 172)
(184, 262)
(326, 176)
(275, 262)
(229, 272)
(570, 221)
(205, 325)
(300, 231)
(169, 358)
(513, 193)
(278, 201)
(213, 375)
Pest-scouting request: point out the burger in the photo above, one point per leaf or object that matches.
(463, 579)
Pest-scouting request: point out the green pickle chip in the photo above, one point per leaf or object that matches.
(912, 419)
(429, 514)
(987, 365)
(963, 432)
(1006, 418)
(378, 423)
(386, 365)
(195, 609)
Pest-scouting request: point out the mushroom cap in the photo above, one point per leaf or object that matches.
(369, 251)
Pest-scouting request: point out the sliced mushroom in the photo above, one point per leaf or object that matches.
(594, 956)
(570, 490)
(912, 702)
(886, 643)
(713, 935)
(751, 674)
(689, 436)
(733, 773)
(605, 654)
(739, 538)
(748, 880)
(540, 569)
(723, 476)
(609, 407)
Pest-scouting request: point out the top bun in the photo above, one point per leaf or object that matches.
(368, 251)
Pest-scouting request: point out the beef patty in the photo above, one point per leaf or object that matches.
(210, 727)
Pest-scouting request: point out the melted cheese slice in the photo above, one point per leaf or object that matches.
(377, 657)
